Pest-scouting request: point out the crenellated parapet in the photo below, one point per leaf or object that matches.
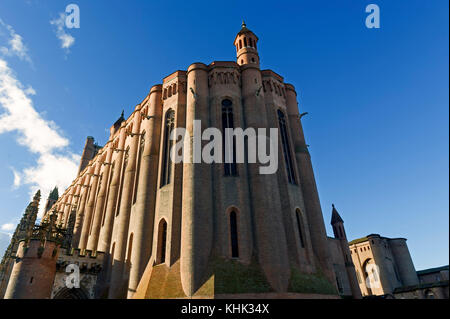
(174, 84)
(34, 270)
(273, 83)
(224, 73)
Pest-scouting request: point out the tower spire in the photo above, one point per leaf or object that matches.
(335, 217)
(37, 196)
(51, 199)
(245, 43)
(338, 224)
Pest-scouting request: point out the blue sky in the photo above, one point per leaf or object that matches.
(377, 99)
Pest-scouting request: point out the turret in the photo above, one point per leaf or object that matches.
(338, 224)
(115, 127)
(35, 263)
(28, 219)
(89, 151)
(52, 198)
(339, 233)
(23, 230)
(246, 49)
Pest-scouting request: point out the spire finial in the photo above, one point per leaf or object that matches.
(122, 114)
(37, 196)
(335, 217)
(54, 194)
(243, 23)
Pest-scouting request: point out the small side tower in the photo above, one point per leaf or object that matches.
(338, 224)
(89, 151)
(35, 264)
(52, 198)
(339, 233)
(23, 230)
(246, 49)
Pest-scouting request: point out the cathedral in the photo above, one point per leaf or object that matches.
(139, 225)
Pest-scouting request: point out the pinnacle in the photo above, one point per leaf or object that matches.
(335, 217)
(37, 196)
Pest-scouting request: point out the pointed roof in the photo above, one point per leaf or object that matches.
(335, 217)
(54, 194)
(119, 120)
(244, 29)
(37, 196)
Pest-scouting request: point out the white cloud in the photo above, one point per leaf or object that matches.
(66, 39)
(17, 178)
(55, 164)
(8, 227)
(16, 45)
(51, 169)
(37, 134)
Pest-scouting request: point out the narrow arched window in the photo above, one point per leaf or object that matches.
(112, 256)
(339, 285)
(286, 147)
(162, 240)
(99, 184)
(130, 248)
(126, 158)
(300, 228)
(234, 235)
(111, 174)
(138, 166)
(240, 44)
(167, 146)
(227, 122)
(245, 42)
(124, 166)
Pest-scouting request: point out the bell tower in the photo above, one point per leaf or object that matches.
(246, 48)
(339, 233)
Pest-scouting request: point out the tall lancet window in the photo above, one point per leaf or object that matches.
(300, 228)
(167, 146)
(234, 235)
(125, 164)
(286, 147)
(162, 242)
(227, 122)
(111, 174)
(138, 165)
